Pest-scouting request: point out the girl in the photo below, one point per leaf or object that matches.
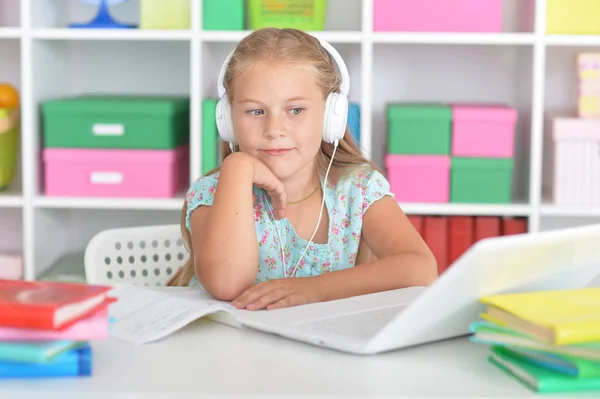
(294, 197)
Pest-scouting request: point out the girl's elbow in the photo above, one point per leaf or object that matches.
(220, 284)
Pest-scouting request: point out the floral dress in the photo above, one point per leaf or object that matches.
(345, 201)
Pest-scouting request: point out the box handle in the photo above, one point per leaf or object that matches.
(106, 178)
(108, 129)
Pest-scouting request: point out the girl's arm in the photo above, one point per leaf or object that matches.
(223, 234)
(403, 258)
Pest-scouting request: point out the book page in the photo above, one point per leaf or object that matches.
(142, 315)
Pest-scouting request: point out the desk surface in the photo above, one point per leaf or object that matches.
(210, 360)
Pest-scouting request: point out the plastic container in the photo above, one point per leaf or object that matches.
(139, 122)
(160, 14)
(299, 14)
(483, 131)
(573, 17)
(419, 129)
(9, 145)
(116, 173)
(223, 14)
(481, 180)
(588, 104)
(419, 178)
(437, 16)
(576, 160)
(11, 266)
(354, 121)
(210, 136)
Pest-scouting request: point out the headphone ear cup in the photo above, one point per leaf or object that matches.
(336, 117)
(224, 121)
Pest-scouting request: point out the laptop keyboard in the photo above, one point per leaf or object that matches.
(360, 325)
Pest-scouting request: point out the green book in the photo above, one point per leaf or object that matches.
(492, 334)
(210, 136)
(539, 379)
(565, 364)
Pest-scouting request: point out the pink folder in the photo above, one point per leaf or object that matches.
(93, 328)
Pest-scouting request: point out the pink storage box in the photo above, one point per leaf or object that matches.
(437, 15)
(11, 266)
(116, 172)
(483, 131)
(419, 178)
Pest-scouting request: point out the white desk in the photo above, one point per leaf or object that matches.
(210, 360)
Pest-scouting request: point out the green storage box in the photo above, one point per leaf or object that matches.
(299, 14)
(223, 15)
(210, 136)
(424, 129)
(138, 122)
(481, 180)
(9, 145)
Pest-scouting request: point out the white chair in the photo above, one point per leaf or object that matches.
(135, 255)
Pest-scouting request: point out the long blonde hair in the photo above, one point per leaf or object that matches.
(294, 47)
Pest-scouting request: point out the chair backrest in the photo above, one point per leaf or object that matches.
(136, 255)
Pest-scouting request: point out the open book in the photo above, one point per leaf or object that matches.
(143, 315)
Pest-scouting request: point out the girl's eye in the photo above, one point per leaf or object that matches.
(256, 112)
(296, 111)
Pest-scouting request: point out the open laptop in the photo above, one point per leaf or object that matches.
(369, 324)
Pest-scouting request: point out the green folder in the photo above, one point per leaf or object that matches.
(210, 136)
(539, 379)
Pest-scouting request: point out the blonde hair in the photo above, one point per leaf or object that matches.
(293, 47)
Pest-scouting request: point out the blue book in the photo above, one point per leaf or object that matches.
(76, 362)
(35, 351)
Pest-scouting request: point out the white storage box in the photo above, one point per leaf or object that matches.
(576, 150)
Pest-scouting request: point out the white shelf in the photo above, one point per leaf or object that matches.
(454, 38)
(570, 211)
(10, 33)
(330, 36)
(107, 34)
(10, 199)
(108, 203)
(522, 67)
(572, 40)
(516, 210)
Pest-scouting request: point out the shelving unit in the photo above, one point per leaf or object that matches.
(522, 67)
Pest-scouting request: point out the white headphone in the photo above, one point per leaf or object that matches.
(336, 105)
(334, 127)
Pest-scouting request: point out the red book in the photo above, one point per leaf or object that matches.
(435, 231)
(512, 226)
(460, 236)
(417, 222)
(49, 305)
(486, 227)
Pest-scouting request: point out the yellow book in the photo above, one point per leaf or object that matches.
(560, 317)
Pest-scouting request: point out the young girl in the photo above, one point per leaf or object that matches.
(295, 214)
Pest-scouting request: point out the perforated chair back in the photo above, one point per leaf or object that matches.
(136, 255)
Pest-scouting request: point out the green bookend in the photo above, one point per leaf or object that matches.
(210, 136)
(134, 122)
(481, 180)
(223, 14)
(419, 129)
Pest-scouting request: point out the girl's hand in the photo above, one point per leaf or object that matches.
(280, 293)
(265, 179)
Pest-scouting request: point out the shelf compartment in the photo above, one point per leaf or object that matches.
(11, 244)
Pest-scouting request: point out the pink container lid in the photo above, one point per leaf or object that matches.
(572, 128)
(419, 161)
(488, 112)
(122, 155)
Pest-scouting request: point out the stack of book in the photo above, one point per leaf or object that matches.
(547, 340)
(46, 327)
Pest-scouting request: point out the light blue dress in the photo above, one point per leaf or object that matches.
(346, 201)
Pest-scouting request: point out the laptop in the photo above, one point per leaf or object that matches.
(376, 323)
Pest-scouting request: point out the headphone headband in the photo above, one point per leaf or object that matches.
(341, 66)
